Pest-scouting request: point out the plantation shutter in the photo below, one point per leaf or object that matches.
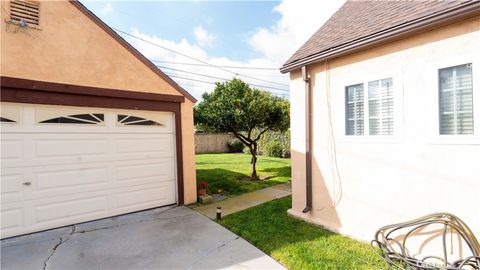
(380, 107)
(456, 100)
(354, 123)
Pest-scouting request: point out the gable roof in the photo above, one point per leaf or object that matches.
(131, 49)
(359, 24)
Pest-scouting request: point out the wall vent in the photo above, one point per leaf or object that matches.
(25, 12)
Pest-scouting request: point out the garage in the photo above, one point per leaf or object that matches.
(90, 127)
(63, 165)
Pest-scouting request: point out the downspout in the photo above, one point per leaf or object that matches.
(308, 139)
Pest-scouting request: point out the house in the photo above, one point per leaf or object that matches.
(385, 109)
(90, 128)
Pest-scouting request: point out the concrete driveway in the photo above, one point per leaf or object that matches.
(162, 238)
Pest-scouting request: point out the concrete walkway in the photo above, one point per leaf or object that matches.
(162, 238)
(244, 201)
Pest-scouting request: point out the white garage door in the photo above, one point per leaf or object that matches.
(63, 165)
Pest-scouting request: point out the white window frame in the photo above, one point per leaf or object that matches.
(355, 102)
(434, 136)
(454, 90)
(398, 107)
(381, 116)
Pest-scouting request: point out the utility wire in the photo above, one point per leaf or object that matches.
(197, 80)
(219, 78)
(268, 75)
(202, 65)
(196, 59)
(200, 85)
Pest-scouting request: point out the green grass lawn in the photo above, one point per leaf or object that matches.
(228, 172)
(297, 244)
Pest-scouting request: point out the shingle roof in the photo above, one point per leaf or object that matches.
(359, 18)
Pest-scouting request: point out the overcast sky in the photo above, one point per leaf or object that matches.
(253, 34)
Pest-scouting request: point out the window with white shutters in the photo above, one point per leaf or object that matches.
(380, 107)
(354, 120)
(456, 100)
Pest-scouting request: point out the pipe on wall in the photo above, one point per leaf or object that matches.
(308, 139)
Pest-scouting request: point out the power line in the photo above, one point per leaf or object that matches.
(197, 80)
(219, 78)
(268, 75)
(196, 59)
(190, 79)
(194, 73)
(202, 65)
(201, 86)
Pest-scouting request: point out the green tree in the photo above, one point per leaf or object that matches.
(234, 107)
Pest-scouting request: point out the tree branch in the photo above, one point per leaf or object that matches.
(261, 133)
(248, 140)
(242, 138)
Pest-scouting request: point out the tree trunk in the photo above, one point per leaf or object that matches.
(253, 151)
(252, 145)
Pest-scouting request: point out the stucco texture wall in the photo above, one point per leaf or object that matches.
(70, 48)
(212, 142)
(361, 183)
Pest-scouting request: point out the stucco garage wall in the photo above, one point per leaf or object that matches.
(70, 48)
(383, 180)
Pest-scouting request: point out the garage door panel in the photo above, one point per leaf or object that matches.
(159, 169)
(146, 197)
(12, 218)
(76, 178)
(57, 173)
(66, 149)
(12, 149)
(11, 185)
(54, 180)
(57, 211)
(59, 147)
(162, 145)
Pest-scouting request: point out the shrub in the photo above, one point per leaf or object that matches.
(282, 138)
(274, 149)
(235, 146)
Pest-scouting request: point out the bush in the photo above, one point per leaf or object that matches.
(274, 149)
(235, 146)
(275, 137)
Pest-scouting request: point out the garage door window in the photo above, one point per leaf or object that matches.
(89, 119)
(6, 120)
(130, 120)
(10, 114)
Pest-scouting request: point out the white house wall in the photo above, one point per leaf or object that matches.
(361, 183)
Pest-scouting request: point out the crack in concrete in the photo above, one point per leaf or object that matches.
(63, 239)
(102, 228)
(29, 243)
(208, 252)
(54, 249)
(129, 223)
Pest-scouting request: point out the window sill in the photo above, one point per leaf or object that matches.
(371, 139)
(454, 140)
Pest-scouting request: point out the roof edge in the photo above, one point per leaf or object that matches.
(131, 49)
(448, 16)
